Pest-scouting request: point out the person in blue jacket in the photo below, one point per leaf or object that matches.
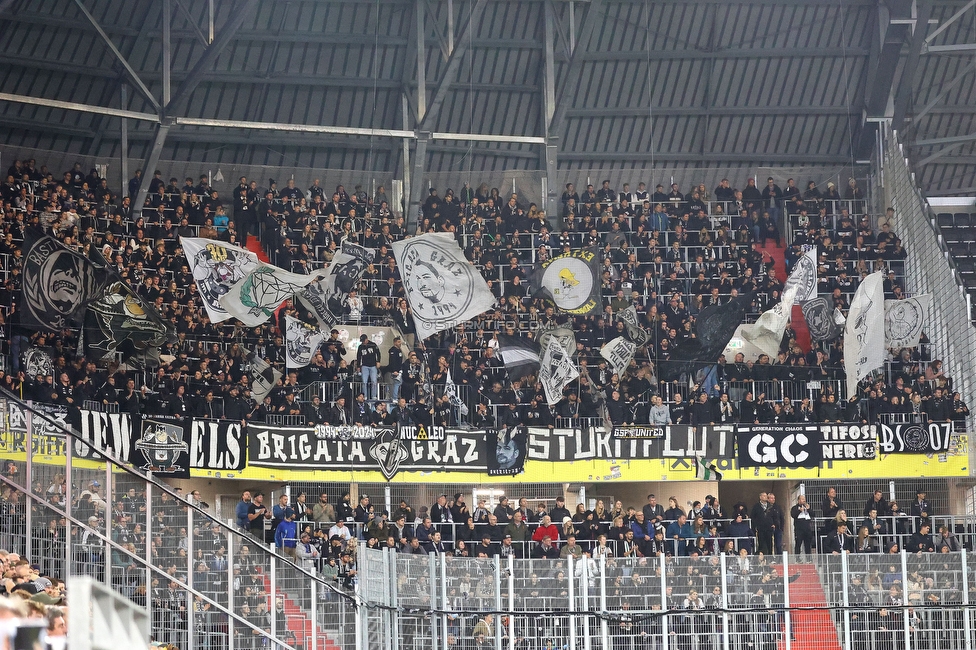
(286, 534)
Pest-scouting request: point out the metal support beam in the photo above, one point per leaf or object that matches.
(944, 26)
(453, 64)
(943, 91)
(940, 153)
(124, 143)
(571, 80)
(149, 166)
(441, 39)
(550, 151)
(956, 139)
(417, 180)
(950, 49)
(906, 84)
(241, 11)
(75, 106)
(421, 39)
(191, 22)
(133, 76)
(167, 50)
(882, 65)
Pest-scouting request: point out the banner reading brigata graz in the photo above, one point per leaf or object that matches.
(426, 449)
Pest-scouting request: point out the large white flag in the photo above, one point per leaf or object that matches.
(804, 277)
(619, 352)
(904, 319)
(254, 299)
(301, 342)
(443, 288)
(557, 370)
(767, 332)
(216, 267)
(864, 344)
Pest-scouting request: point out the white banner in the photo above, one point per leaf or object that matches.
(263, 377)
(216, 267)
(904, 320)
(618, 353)
(443, 288)
(864, 346)
(767, 332)
(301, 342)
(557, 370)
(255, 299)
(804, 277)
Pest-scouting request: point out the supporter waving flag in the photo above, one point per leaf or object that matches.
(301, 342)
(864, 343)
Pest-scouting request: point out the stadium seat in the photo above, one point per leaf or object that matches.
(944, 220)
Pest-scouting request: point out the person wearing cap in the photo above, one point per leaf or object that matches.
(286, 534)
(368, 358)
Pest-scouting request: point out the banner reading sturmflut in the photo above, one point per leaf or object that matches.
(864, 345)
(216, 267)
(443, 288)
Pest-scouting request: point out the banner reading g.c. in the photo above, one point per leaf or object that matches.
(779, 445)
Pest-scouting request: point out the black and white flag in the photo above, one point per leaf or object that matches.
(563, 335)
(520, 356)
(443, 288)
(556, 370)
(262, 376)
(631, 322)
(619, 352)
(824, 321)
(326, 297)
(162, 448)
(571, 281)
(255, 299)
(767, 332)
(904, 320)
(58, 283)
(302, 341)
(216, 267)
(804, 277)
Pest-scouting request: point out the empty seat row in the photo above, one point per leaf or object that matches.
(947, 220)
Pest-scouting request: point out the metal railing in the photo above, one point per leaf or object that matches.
(725, 602)
(203, 582)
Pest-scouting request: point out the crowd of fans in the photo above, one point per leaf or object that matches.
(667, 253)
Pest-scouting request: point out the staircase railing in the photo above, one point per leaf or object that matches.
(205, 584)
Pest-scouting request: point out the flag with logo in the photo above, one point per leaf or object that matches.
(904, 319)
(563, 335)
(520, 356)
(326, 297)
(506, 449)
(302, 341)
(864, 345)
(804, 277)
(262, 377)
(258, 295)
(450, 389)
(824, 321)
(443, 288)
(216, 267)
(571, 281)
(619, 352)
(556, 370)
(122, 323)
(767, 332)
(631, 322)
(57, 283)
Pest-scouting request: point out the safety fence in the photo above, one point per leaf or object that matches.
(716, 602)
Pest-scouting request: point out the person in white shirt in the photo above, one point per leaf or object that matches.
(355, 306)
(341, 530)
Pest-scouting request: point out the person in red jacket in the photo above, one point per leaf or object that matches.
(546, 528)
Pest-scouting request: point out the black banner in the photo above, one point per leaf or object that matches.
(506, 449)
(924, 438)
(848, 441)
(217, 445)
(639, 432)
(783, 445)
(162, 447)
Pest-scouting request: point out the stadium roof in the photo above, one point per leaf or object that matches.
(605, 83)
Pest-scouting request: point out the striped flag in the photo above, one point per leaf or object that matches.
(706, 470)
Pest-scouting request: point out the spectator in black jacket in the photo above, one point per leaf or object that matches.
(921, 540)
